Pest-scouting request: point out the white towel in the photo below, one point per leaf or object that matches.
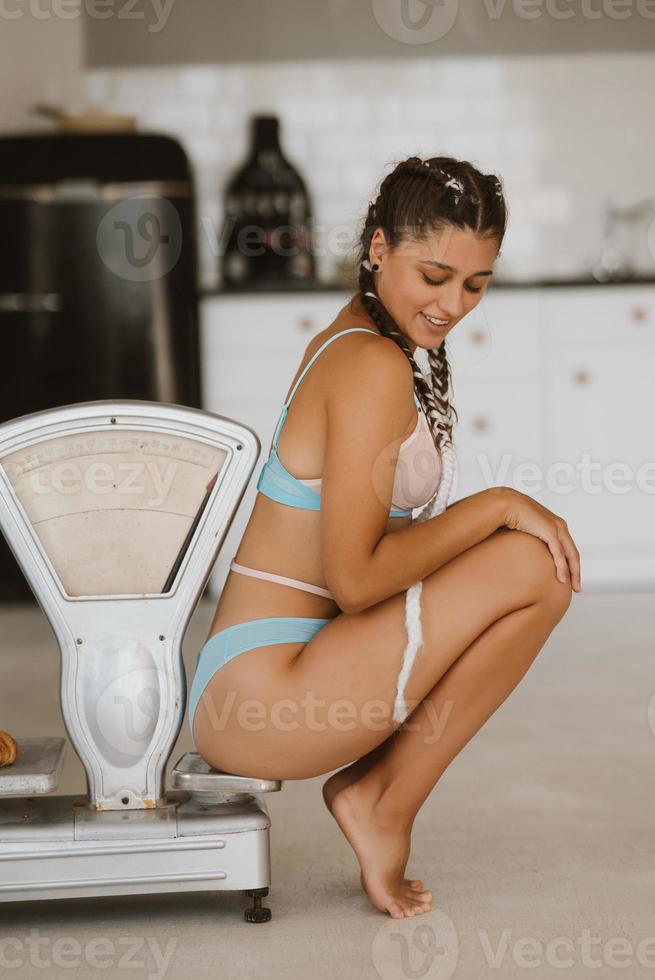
(437, 505)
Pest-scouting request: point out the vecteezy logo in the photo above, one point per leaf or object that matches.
(126, 716)
(415, 21)
(425, 946)
(124, 690)
(650, 714)
(140, 238)
(651, 239)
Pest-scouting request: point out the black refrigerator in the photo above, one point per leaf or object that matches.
(98, 278)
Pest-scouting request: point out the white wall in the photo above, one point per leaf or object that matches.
(567, 134)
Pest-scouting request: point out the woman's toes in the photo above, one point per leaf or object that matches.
(418, 907)
(396, 910)
(422, 899)
(408, 904)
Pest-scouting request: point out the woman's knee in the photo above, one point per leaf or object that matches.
(535, 566)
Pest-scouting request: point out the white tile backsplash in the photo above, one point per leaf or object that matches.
(565, 133)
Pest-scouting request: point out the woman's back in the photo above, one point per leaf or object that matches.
(286, 540)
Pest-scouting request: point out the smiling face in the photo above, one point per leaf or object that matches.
(439, 279)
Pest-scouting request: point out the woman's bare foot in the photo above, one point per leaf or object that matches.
(382, 849)
(343, 778)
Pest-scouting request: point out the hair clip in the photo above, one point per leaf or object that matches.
(457, 186)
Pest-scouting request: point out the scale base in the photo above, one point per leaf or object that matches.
(57, 847)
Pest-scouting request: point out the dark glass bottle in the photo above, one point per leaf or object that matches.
(268, 219)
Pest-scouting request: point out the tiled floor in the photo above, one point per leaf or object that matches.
(538, 843)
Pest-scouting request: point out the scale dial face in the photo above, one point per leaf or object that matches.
(114, 510)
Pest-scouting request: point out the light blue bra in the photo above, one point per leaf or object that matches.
(275, 481)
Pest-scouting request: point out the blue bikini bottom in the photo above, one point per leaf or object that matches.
(233, 640)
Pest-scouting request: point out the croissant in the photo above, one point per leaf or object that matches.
(8, 749)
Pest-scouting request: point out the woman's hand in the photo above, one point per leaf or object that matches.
(524, 513)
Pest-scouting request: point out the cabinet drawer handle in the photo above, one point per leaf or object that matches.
(306, 322)
(638, 314)
(581, 377)
(480, 423)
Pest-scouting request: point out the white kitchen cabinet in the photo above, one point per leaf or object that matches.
(496, 362)
(499, 339)
(541, 377)
(250, 350)
(251, 347)
(498, 436)
(599, 457)
(612, 317)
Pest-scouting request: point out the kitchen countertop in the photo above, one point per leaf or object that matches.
(326, 287)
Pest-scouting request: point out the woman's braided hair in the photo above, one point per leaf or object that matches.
(416, 199)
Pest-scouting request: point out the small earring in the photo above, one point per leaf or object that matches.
(375, 267)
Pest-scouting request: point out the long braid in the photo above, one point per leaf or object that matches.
(434, 399)
(482, 209)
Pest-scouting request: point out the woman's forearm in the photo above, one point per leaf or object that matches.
(401, 558)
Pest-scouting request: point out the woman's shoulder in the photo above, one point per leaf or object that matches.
(358, 329)
(364, 347)
(370, 362)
